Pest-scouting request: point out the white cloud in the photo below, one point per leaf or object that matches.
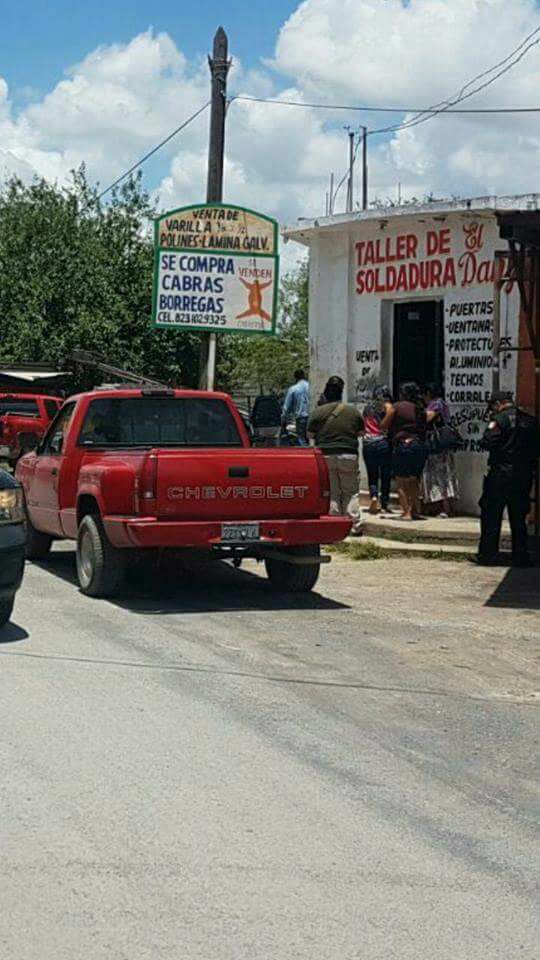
(121, 99)
(108, 110)
(391, 53)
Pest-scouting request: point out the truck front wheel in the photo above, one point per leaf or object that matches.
(100, 566)
(295, 577)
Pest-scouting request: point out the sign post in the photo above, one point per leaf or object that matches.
(219, 67)
(216, 265)
(216, 269)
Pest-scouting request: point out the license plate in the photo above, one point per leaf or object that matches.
(239, 532)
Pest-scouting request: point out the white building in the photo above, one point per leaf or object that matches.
(408, 293)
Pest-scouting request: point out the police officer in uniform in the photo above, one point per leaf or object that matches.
(512, 440)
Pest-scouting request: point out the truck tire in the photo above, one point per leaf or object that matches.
(38, 544)
(292, 577)
(6, 606)
(100, 566)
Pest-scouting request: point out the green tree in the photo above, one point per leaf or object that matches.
(261, 363)
(76, 273)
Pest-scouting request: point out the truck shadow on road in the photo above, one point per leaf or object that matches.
(216, 588)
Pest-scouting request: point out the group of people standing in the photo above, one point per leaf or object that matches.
(394, 444)
(398, 443)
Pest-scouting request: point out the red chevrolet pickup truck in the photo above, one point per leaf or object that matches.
(134, 469)
(24, 418)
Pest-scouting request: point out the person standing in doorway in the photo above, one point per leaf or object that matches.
(406, 424)
(377, 451)
(296, 406)
(336, 427)
(439, 486)
(512, 439)
(323, 398)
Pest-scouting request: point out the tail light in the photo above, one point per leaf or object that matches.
(146, 489)
(324, 477)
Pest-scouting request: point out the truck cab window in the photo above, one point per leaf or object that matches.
(18, 407)
(54, 439)
(159, 422)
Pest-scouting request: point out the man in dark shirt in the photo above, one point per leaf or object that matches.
(336, 426)
(512, 440)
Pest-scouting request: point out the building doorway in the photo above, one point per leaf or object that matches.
(418, 343)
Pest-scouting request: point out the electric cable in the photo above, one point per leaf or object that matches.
(443, 106)
(372, 109)
(151, 152)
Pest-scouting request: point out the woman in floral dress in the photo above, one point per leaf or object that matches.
(439, 480)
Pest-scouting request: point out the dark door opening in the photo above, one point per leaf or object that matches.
(418, 343)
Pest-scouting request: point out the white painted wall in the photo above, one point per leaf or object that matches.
(447, 256)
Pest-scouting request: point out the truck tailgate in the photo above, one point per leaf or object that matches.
(240, 484)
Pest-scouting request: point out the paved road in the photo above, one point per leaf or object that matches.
(212, 772)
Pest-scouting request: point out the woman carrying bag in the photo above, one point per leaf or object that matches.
(377, 451)
(439, 480)
(406, 424)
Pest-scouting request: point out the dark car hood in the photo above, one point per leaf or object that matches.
(7, 482)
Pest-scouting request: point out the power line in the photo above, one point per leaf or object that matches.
(154, 150)
(442, 108)
(372, 109)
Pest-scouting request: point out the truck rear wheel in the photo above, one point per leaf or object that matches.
(6, 606)
(100, 566)
(38, 544)
(295, 577)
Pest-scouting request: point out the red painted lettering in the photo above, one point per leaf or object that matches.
(431, 243)
(436, 273)
(467, 264)
(445, 238)
(402, 278)
(370, 252)
(486, 272)
(449, 276)
(412, 246)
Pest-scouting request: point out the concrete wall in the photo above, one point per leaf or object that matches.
(359, 273)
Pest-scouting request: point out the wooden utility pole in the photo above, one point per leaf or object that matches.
(350, 187)
(364, 169)
(219, 67)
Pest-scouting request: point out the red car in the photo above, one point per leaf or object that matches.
(24, 419)
(128, 470)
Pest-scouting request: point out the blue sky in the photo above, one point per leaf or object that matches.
(39, 39)
(138, 69)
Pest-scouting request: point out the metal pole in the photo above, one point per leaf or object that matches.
(331, 203)
(364, 170)
(350, 191)
(219, 67)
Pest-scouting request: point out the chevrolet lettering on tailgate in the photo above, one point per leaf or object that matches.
(286, 492)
